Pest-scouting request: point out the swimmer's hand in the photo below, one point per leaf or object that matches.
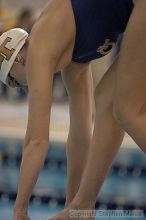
(21, 218)
(19, 215)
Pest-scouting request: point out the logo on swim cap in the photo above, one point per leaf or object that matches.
(5, 53)
(11, 43)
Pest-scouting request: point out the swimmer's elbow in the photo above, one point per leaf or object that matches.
(35, 144)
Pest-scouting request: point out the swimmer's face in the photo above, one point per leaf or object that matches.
(17, 75)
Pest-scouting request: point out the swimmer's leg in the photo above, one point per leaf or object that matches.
(78, 82)
(130, 93)
(106, 140)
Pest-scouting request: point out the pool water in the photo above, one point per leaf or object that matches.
(124, 188)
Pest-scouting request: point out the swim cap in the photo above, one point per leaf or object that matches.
(11, 43)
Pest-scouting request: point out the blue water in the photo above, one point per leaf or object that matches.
(129, 188)
(121, 186)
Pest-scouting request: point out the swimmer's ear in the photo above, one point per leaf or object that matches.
(26, 43)
(18, 58)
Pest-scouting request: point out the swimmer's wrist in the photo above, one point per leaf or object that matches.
(20, 211)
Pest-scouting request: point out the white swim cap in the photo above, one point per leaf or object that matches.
(11, 43)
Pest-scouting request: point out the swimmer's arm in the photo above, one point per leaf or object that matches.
(36, 141)
(41, 64)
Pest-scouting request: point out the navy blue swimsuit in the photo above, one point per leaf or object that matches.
(99, 23)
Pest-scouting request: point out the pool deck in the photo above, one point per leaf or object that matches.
(13, 122)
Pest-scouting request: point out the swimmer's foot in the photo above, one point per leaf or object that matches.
(74, 213)
(61, 216)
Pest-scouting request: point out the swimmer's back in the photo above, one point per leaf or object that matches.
(98, 26)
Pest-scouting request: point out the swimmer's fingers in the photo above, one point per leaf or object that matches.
(21, 217)
(20, 214)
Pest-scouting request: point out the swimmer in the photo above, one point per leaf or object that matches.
(67, 36)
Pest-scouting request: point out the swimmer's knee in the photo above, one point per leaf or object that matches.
(121, 111)
(120, 114)
(126, 113)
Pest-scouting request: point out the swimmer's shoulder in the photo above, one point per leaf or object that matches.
(52, 26)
